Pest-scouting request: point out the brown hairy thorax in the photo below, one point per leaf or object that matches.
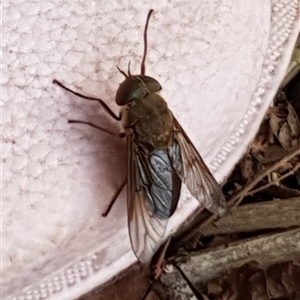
(152, 122)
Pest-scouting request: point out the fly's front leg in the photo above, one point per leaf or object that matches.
(100, 101)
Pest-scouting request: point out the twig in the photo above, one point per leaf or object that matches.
(210, 263)
(236, 199)
(280, 214)
(276, 181)
(190, 230)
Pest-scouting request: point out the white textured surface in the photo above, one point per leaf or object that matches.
(219, 64)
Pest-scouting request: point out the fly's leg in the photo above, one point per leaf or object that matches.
(113, 200)
(93, 125)
(100, 101)
(113, 115)
(159, 258)
(196, 292)
(121, 135)
(156, 267)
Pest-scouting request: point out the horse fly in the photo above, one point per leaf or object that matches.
(160, 156)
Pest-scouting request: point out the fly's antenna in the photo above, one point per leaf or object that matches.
(126, 76)
(129, 74)
(145, 42)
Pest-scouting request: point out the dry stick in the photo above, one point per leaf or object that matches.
(188, 233)
(235, 200)
(281, 214)
(207, 264)
(297, 166)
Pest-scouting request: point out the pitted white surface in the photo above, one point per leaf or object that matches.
(215, 61)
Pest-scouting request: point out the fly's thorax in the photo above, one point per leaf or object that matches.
(151, 121)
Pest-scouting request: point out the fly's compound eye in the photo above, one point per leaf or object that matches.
(136, 88)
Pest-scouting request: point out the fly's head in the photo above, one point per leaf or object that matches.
(136, 87)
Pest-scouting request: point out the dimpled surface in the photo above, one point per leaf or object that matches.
(219, 64)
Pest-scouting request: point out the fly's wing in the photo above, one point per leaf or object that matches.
(153, 194)
(194, 173)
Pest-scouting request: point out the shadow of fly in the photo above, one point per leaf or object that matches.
(160, 156)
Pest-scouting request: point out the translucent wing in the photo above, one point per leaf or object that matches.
(153, 194)
(194, 173)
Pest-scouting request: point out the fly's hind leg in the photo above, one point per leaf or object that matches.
(125, 181)
(113, 200)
